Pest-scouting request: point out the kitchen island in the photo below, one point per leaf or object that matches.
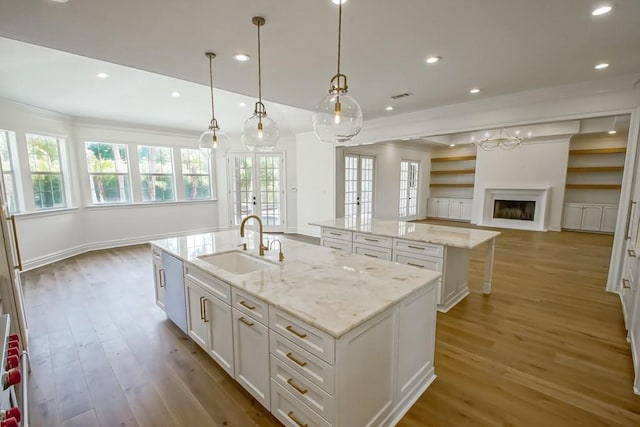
(324, 338)
(434, 247)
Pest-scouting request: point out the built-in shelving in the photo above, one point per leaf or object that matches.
(589, 169)
(594, 186)
(452, 159)
(452, 185)
(454, 172)
(610, 150)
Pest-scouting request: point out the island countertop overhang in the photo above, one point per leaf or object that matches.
(331, 290)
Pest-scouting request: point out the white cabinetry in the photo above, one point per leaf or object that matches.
(590, 217)
(456, 209)
(336, 239)
(158, 276)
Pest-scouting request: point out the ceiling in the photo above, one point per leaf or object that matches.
(501, 46)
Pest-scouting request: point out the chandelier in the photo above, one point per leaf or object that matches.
(502, 140)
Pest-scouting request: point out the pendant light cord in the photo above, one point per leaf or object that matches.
(339, 32)
(213, 114)
(259, 68)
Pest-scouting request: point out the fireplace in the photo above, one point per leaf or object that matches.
(523, 210)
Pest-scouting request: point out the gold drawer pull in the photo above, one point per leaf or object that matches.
(250, 307)
(415, 265)
(293, 331)
(246, 322)
(371, 256)
(298, 388)
(335, 234)
(631, 252)
(290, 356)
(416, 247)
(336, 248)
(626, 284)
(296, 420)
(371, 240)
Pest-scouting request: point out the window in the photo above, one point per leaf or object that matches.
(196, 175)
(108, 166)
(156, 173)
(409, 188)
(8, 169)
(46, 171)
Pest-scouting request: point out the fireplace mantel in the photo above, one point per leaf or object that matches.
(539, 195)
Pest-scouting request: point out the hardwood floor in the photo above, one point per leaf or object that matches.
(546, 348)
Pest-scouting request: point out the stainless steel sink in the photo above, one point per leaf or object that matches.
(237, 262)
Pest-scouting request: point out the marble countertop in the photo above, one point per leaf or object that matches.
(429, 233)
(332, 290)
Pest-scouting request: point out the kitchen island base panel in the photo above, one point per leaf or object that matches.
(453, 300)
(403, 407)
(488, 266)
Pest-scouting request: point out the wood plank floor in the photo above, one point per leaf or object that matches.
(546, 348)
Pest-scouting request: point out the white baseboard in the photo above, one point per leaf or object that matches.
(461, 294)
(117, 243)
(403, 407)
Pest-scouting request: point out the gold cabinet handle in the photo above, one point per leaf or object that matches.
(626, 284)
(296, 420)
(204, 310)
(414, 265)
(297, 387)
(249, 306)
(294, 332)
(371, 256)
(15, 241)
(628, 229)
(299, 362)
(631, 252)
(161, 278)
(416, 247)
(335, 234)
(333, 247)
(201, 308)
(371, 240)
(246, 322)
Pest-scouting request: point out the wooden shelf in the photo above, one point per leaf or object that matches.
(597, 169)
(452, 159)
(454, 172)
(452, 185)
(594, 186)
(596, 151)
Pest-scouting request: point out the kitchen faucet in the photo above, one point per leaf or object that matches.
(257, 218)
(280, 255)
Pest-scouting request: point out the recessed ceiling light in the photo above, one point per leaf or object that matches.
(242, 104)
(612, 132)
(175, 94)
(475, 90)
(242, 57)
(602, 66)
(601, 10)
(338, 1)
(388, 108)
(452, 145)
(59, 1)
(433, 59)
(102, 75)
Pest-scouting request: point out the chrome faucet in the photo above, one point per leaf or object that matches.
(280, 255)
(257, 218)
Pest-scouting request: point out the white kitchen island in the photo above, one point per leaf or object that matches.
(434, 247)
(325, 338)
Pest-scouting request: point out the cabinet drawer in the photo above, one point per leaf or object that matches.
(291, 412)
(372, 239)
(339, 245)
(409, 258)
(372, 251)
(303, 389)
(217, 287)
(315, 370)
(313, 340)
(251, 306)
(428, 249)
(333, 233)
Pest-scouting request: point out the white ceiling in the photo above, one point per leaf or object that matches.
(502, 46)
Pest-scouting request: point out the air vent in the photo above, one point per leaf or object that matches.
(401, 95)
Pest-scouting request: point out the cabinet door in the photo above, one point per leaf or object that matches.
(251, 356)
(432, 208)
(443, 208)
(591, 218)
(196, 326)
(466, 210)
(175, 302)
(158, 280)
(572, 216)
(455, 209)
(217, 315)
(609, 217)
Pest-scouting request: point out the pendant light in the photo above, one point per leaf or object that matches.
(338, 117)
(259, 132)
(213, 139)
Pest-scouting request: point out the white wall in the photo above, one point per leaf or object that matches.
(537, 165)
(386, 177)
(316, 175)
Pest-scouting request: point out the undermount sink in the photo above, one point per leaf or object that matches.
(236, 262)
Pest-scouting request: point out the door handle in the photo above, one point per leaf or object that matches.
(201, 309)
(161, 278)
(204, 310)
(626, 233)
(15, 241)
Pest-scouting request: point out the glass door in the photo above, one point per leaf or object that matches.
(409, 176)
(358, 186)
(256, 187)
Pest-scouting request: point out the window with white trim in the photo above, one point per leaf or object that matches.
(8, 170)
(156, 173)
(108, 166)
(196, 174)
(45, 167)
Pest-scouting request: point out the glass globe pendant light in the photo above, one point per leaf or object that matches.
(213, 140)
(338, 117)
(259, 132)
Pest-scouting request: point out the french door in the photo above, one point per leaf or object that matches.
(256, 187)
(358, 185)
(409, 178)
